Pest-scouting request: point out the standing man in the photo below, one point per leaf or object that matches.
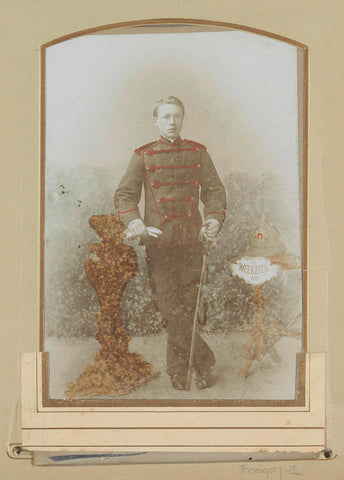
(175, 173)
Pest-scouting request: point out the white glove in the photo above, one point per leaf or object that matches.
(210, 229)
(137, 228)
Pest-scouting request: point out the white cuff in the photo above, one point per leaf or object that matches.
(133, 222)
(212, 220)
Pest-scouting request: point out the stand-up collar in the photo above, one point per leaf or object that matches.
(167, 141)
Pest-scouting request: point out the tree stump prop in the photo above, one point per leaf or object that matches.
(111, 265)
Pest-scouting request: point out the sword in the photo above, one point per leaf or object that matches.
(198, 304)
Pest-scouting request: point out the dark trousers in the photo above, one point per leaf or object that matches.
(174, 274)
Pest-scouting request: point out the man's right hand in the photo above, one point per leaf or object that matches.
(137, 228)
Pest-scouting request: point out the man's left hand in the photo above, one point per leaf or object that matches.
(210, 229)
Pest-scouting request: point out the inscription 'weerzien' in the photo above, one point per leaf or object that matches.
(253, 270)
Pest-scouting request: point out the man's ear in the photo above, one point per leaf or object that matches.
(155, 121)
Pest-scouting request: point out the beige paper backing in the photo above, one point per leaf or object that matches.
(29, 24)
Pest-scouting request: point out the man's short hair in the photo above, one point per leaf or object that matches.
(167, 100)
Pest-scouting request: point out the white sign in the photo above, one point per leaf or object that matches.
(254, 270)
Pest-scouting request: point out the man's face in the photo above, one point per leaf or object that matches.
(169, 121)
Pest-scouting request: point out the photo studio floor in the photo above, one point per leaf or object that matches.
(267, 379)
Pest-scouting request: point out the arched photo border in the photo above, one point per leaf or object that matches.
(301, 376)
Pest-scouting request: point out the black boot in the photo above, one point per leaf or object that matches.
(204, 379)
(178, 382)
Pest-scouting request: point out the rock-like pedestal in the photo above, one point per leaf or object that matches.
(110, 267)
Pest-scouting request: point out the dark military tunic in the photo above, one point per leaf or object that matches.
(175, 177)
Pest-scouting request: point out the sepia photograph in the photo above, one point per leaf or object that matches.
(173, 217)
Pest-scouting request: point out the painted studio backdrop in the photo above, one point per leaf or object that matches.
(240, 92)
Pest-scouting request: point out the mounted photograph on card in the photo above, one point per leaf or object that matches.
(174, 217)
